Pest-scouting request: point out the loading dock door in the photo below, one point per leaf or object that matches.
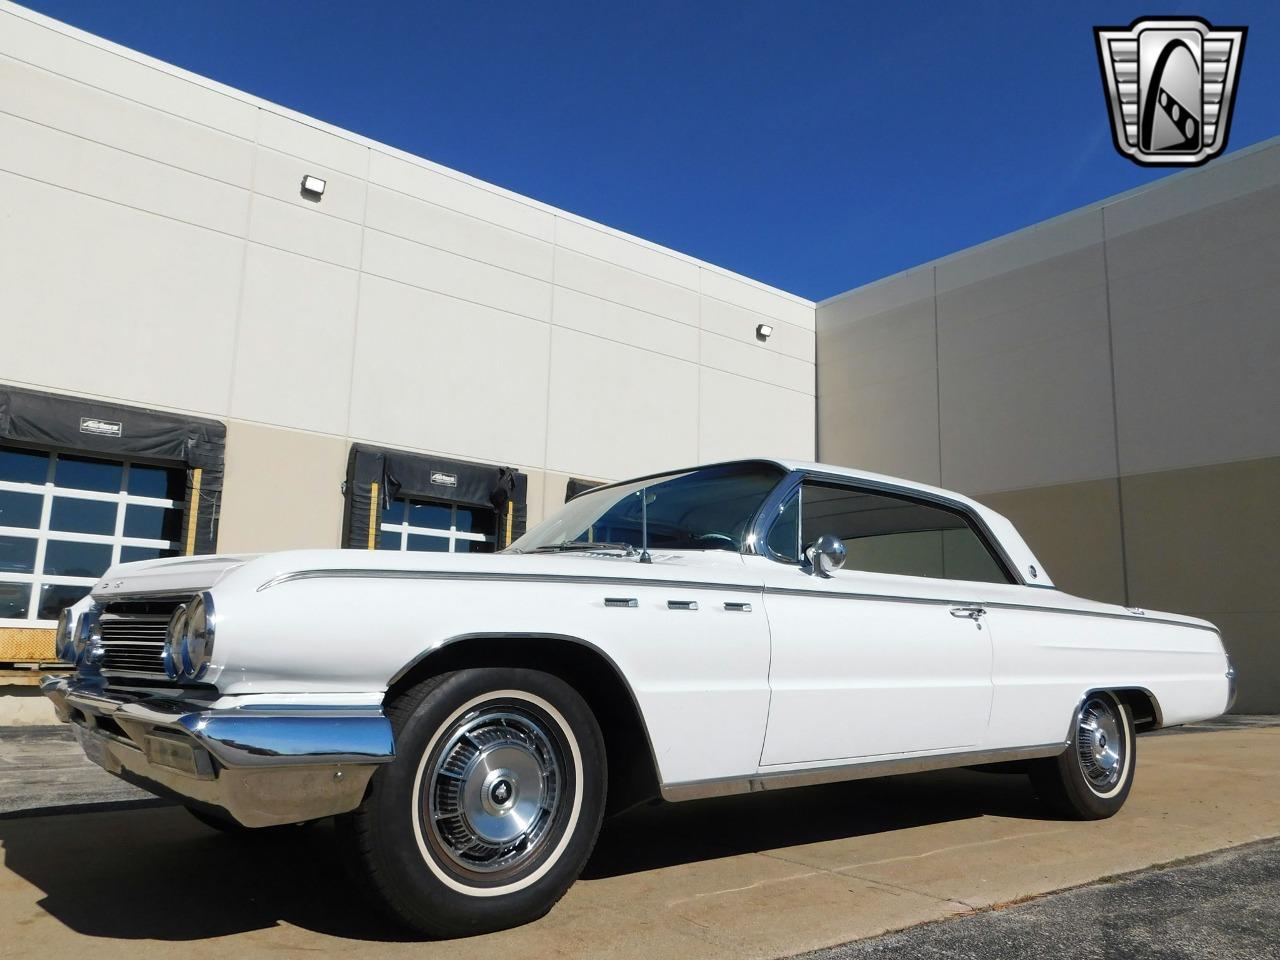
(410, 501)
(85, 484)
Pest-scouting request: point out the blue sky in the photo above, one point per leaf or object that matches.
(813, 146)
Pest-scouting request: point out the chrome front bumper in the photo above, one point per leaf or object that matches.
(262, 765)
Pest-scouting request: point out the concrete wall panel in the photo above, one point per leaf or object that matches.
(613, 321)
(1074, 530)
(303, 140)
(1197, 346)
(84, 111)
(131, 299)
(457, 193)
(427, 376)
(71, 53)
(611, 282)
(445, 229)
(757, 361)
(279, 176)
(295, 340)
(758, 298)
(1204, 541)
(282, 491)
(305, 232)
(1026, 393)
(615, 411)
(629, 252)
(746, 418)
(889, 427)
(740, 324)
(50, 156)
(448, 273)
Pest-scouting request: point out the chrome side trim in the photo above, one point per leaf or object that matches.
(383, 573)
(1158, 720)
(389, 574)
(621, 602)
(989, 604)
(812, 776)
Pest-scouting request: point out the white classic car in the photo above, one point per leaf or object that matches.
(730, 628)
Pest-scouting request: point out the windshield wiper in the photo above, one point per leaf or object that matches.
(567, 546)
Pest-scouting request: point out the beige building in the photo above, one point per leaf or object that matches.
(1109, 380)
(200, 353)
(158, 250)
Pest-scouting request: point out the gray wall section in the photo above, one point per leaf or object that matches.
(1110, 380)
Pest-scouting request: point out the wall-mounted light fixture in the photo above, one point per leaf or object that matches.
(313, 186)
(763, 332)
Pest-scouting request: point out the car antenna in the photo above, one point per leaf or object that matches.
(644, 526)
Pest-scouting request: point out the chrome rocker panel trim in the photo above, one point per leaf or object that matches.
(264, 766)
(865, 770)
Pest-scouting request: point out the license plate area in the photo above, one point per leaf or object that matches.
(94, 746)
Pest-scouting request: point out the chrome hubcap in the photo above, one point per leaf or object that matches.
(1100, 744)
(494, 790)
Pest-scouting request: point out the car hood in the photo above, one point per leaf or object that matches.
(177, 576)
(268, 570)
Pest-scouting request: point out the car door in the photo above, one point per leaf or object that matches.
(890, 654)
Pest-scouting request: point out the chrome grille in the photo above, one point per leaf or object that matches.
(133, 637)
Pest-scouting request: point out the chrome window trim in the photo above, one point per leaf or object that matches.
(763, 523)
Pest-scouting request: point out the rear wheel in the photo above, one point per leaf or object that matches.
(492, 805)
(1090, 780)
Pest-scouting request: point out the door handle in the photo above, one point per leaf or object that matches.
(968, 613)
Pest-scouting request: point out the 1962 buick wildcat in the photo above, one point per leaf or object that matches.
(731, 628)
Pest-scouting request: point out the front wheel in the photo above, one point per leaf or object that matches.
(1090, 780)
(491, 807)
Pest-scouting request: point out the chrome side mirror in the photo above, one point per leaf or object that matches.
(827, 554)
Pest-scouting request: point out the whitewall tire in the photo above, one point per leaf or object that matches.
(492, 806)
(1091, 779)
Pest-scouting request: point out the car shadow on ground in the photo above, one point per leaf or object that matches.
(156, 874)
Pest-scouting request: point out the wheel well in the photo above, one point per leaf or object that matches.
(633, 775)
(1144, 707)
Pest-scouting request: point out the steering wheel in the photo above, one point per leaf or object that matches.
(728, 541)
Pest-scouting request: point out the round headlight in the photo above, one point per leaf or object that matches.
(198, 647)
(66, 623)
(87, 632)
(174, 642)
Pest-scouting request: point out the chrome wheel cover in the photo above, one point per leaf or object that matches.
(1101, 744)
(495, 789)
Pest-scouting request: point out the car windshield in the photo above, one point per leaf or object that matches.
(706, 509)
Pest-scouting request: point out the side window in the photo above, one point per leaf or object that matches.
(891, 534)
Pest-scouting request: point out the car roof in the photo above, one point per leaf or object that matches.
(1027, 566)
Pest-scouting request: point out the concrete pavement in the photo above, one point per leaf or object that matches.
(758, 876)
